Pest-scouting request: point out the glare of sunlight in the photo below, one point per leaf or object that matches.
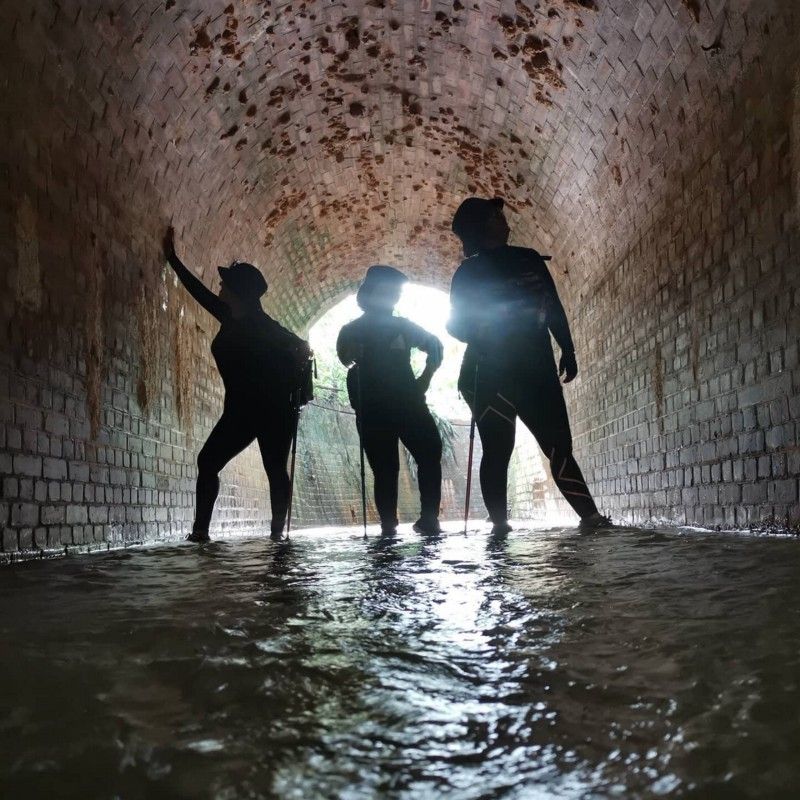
(423, 305)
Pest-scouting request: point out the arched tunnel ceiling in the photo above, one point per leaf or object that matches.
(314, 138)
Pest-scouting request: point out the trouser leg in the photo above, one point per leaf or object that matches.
(496, 421)
(380, 438)
(232, 433)
(420, 435)
(275, 442)
(543, 410)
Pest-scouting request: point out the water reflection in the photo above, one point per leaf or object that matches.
(544, 663)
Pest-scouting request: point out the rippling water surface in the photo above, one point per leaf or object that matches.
(548, 664)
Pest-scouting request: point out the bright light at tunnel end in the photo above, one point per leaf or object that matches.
(427, 307)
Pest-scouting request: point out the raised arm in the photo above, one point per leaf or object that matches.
(196, 288)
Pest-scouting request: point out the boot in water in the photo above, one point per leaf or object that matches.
(198, 536)
(276, 534)
(501, 528)
(428, 526)
(595, 522)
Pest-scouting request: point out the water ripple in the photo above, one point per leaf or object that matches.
(545, 664)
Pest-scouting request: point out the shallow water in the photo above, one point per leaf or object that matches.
(549, 664)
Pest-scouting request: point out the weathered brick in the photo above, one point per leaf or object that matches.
(78, 471)
(77, 514)
(24, 514)
(25, 539)
(784, 491)
(56, 424)
(53, 515)
(98, 514)
(40, 538)
(27, 465)
(10, 540)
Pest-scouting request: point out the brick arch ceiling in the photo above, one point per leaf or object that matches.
(315, 138)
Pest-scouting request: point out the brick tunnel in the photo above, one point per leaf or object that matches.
(651, 148)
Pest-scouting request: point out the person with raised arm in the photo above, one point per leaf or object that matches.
(389, 400)
(263, 368)
(505, 306)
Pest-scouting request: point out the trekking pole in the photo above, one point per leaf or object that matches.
(296, 403)
(294, 459)
(361, 451)
(471, 447)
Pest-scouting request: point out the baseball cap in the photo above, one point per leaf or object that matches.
(473, 213)
(243, 279)
(377, 276)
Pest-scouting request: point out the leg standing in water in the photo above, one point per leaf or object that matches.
(261, 364)
(505, 307)
(390, 401)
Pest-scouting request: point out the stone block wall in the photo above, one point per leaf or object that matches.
(688, 404)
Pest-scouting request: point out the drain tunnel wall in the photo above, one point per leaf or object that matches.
(650, 148)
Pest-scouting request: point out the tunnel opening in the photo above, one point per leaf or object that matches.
(320, 441)
(532, 495)
(426, 306)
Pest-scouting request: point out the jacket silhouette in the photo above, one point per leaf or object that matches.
(263, 367)
(389, 400)
(505, 306)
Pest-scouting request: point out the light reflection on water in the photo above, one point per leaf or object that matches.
(548, 664)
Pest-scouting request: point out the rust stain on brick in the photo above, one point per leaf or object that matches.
(201, 41)
(29, 272)
(150, 356)
(184, 369)
(693, 7)
(94, 335)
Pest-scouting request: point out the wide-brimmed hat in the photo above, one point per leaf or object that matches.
(377, 277)
(472, 214)
(244, 280)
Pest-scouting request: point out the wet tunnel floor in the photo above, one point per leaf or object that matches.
(550, 664)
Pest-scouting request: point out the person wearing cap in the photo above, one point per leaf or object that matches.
(261, 364)
(505, 306)
(389, 400)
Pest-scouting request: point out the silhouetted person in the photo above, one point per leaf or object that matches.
(388, 400)
(261, 364)
(504, 305)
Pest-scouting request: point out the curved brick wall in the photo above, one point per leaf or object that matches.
(650, 147)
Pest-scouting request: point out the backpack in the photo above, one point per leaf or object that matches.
(304, 392)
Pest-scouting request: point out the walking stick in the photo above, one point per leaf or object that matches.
(471, 447)
(361, 451)
(294, 459)
(296, 402)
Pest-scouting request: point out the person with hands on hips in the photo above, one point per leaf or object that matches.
(262, 365)
(505, 306)
(389, 400)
